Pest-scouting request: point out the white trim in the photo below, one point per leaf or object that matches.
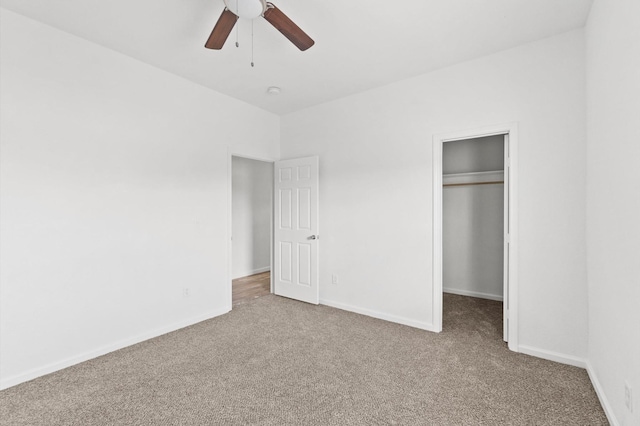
(513, 238)
(553, 356)
(253, 272)
(380, 315)
(229, 235)
(510, 129)
(436, 309)
(68, 362)
(498, 129)
(272, 223)
(252, 157)
(606, 406)
(473, 294)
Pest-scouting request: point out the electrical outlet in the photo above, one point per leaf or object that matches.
(628, 397)
(334, 279)
(185, 292)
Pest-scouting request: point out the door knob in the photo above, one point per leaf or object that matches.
(313, 237)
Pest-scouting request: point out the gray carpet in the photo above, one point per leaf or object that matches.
(275, 361)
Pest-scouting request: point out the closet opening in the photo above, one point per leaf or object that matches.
(251, 228)
(474, 246)
(473, 234)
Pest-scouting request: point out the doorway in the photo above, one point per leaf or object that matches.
(251, 228)
(473, 233)
(472, 263)
(281, 253)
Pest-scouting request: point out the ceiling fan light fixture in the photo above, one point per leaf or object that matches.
(247, 9)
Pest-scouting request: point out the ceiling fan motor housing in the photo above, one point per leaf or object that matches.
(248, 9)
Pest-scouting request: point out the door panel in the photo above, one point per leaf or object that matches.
(296, 230)
(285, 215)
(304, 209)
(285, 262)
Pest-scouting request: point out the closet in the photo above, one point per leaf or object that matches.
(473, 217)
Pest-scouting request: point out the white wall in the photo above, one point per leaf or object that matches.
(472, 218)
(375, 153)
(613, 202)
(252, 193)
(114, 198)
(473, 155)
(472, 240)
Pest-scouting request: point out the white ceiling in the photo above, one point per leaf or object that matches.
(359, 44)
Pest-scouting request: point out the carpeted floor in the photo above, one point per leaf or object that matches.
(275, 361)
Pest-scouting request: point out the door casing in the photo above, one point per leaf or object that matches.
(511, 298)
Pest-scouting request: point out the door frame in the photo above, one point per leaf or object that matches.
(230, 155)
(510, 129)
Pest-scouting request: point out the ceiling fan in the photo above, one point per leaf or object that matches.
(251, 9)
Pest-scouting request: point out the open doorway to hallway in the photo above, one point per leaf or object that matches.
(251, 225)
(250, 287)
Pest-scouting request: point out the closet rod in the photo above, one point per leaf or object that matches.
(474, 183)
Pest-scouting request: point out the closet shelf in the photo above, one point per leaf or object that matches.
(493, 177)
(472, 173)
(474, 183)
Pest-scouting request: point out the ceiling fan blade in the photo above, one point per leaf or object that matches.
(222, 30)
(286, 26)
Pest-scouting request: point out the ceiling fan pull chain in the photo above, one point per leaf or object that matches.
(252, 42)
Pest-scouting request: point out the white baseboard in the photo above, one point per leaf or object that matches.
(553, 356)
(606, 406)
(469, 293)
(253, 272)
(380, 315)
(68, 362)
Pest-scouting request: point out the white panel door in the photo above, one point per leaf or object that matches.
(507, 237)
(296, 229)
